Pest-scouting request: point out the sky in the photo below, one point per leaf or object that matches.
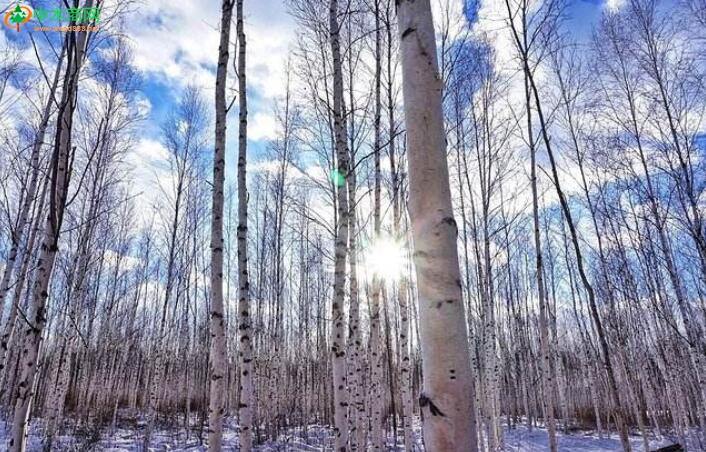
(175, 44)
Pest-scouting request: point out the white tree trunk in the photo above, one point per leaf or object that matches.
(31, 192)
(545, 363)
(61, 175)
(355, 349)
(245, 412)
(218, 354)
(376, 348)
(338, 341)
(447, 401)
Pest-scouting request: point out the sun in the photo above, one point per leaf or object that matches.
(385, 258)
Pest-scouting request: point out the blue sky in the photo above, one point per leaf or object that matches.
(175, 44)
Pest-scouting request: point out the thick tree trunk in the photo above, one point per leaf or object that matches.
(447, 401)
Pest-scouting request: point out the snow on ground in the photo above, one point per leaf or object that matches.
(521, 439)
(314, 438)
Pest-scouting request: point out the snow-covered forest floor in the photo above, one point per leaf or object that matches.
(522, 440)
(128, 436)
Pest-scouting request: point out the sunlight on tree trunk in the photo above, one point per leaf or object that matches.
(446, 401)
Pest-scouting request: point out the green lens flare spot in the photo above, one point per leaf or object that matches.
(337, 178)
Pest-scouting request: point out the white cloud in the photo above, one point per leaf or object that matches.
(127, 263)
(176, 43)
(143, 105)
(179, 41)
(150, 151)
(448, 15)
(613, 5)
(176, 40)
(147, 161)
(262, 126)
(491, 24)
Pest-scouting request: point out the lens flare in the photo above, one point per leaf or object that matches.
(385, 258)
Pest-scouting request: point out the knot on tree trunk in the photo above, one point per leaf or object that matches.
(425, 401)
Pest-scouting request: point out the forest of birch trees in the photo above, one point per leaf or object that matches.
(472, 220)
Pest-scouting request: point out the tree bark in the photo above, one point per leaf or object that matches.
(548, 385)
(376, 348)
(340, 178)
(60, 177)
(218, 352)
(447, 400)
(245, 352)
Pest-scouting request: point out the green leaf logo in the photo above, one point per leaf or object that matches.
(15, 17)
(18, 16)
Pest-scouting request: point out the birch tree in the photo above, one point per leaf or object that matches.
(446, 401)
(217, 351)
(244, 313)
(340, 176)
(558, 247)
(60, 178)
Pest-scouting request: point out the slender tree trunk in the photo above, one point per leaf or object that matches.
(338, 360)
(595, 315)
(447, 401)
(356, 363)
(31, 191)
(546, 354)
(218, 353)
(60, 177)
(8, 333)
(376, 349)
(245, 351)
(401, 237)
